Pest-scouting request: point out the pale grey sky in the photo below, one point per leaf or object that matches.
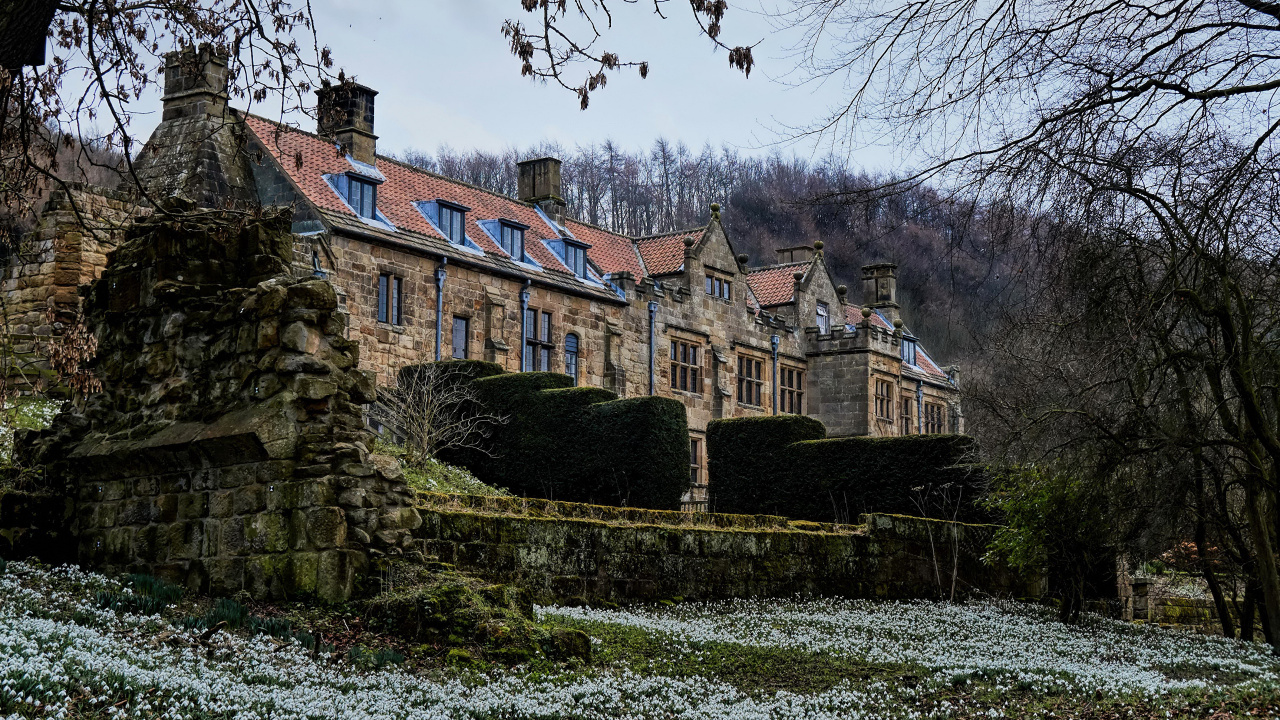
(445, 75)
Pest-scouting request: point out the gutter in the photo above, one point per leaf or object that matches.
(919, 407)
(441, 273)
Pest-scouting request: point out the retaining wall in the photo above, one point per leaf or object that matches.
(568, 550)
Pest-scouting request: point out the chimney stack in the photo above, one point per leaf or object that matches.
(195, 83)
(799, 253)
(344, 112)
(539, 183)
(880, 289)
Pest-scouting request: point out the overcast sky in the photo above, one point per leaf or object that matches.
(445, 76)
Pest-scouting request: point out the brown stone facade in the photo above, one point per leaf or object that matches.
(680, 315)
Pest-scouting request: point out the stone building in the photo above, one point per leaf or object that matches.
(432, 268)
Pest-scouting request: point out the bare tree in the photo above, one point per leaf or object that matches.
(562, 35)
(434, 407)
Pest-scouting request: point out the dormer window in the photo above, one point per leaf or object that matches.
(575, 257)
(451, 222)
(362, 196)
(511, 239)
(908, 351)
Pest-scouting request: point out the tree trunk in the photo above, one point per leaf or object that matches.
(1265, 561)
(1211, 579)
(1247, 611)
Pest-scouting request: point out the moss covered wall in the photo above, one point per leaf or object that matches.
(568, 550)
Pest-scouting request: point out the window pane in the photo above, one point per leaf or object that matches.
(395, 300)
(530, 323)
(459, 338)
(545, 330)
(709, 285)
(382, 298)
(544, 359)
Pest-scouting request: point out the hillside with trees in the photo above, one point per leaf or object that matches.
(950, 256)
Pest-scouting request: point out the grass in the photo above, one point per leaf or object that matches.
(431, 475)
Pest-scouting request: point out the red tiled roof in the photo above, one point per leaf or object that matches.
(612, 252)
(406, 185)
(776, 284)
(925, 363)
(664, 254)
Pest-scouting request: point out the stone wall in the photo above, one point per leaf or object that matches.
(227, 449)
(78, 226)
(567, 550)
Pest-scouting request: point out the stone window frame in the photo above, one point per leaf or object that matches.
(884, 400)
(572, 356)
(466, 337)
(538, 344)
(935, 418)
(719, 287)
(390, 298)
(908, 418)
(697, 462)
(687, 365)
(749, 383)
(790, 390)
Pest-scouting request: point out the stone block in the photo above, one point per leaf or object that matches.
(326, 527)
(225, 576)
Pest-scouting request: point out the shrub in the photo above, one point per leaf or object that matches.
(580, 444)
(784, 465)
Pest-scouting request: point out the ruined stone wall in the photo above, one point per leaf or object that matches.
(567, 550)
(227, 449)
(78, 227)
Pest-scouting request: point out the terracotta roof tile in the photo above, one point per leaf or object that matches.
(776, 284)
(611, 251)
(664, 254)
(307, 158)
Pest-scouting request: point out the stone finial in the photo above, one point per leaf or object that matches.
(688, 242)
(818, 245)
(743, 259)
(715, 211)
(842, 290)
(897, 323)
(866, 312)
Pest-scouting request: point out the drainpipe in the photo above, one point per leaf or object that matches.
(773, 342)
(919, 407)
(440, 276)
(524, 320)
(653, 313)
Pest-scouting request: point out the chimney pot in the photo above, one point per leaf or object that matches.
(880, 289)
(344, 112)
(195, 83)
(799, 253)
(538, 182)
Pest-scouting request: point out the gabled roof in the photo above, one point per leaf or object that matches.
(664, 254)
(306, 158)
(611, 251)
(924, 364)
(776, 284)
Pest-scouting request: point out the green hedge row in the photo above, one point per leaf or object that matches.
(580, 444)
(785, 465)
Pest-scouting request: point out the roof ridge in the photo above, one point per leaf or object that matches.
(408, 166)
(659, 236)
(766, 268)
(601, 228)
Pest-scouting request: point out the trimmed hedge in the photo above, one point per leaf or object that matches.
(783, 465)
(580, 444)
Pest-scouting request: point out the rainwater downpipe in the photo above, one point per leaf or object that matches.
(919, 407)
(653, 313)
(773, 343)
(441, 273)
(524, 320)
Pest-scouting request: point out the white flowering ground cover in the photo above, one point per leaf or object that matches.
(63, 656)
